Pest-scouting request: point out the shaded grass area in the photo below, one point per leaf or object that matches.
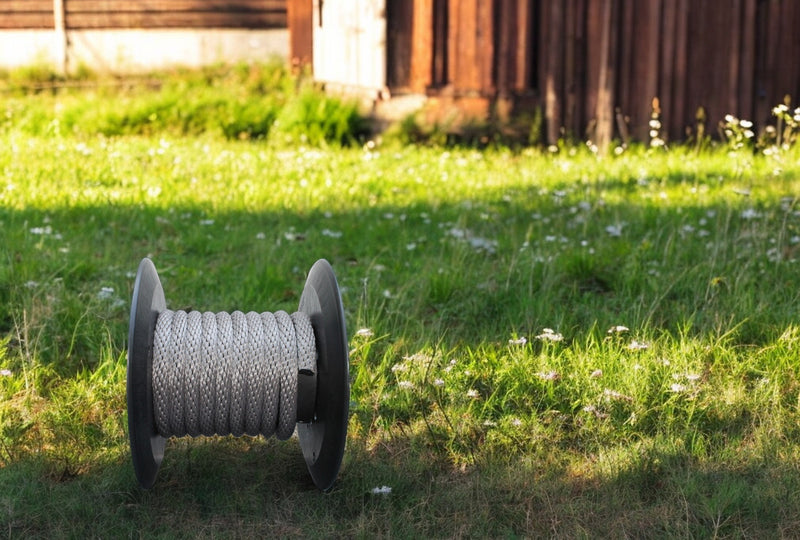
(641, 490)
(685, 424)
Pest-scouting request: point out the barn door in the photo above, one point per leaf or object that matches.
(350, 43)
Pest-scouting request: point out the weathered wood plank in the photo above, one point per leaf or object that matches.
(788, 79)
(422, 48)
(680, 118)
(101, 6)
(747, 50)
(506, 43)
(196, 19)
(570, 121)
(553, 69)
(604, 113)
(592, 58)
(299, 18)
(524, 47)
(441, 42)
(399, 44)
(25, 6)
(578, 85)
(666, 89)
(26, 20)
(485, 46)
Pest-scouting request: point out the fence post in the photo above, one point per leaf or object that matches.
(60, 36)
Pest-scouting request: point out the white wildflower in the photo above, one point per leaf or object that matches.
(637, 345)
(406, 385)
(596, 374)
(522, 340)
(293, 236)
(549, 335)
(331, 234)
(677, 388)
(364, 332)
(5, 373)
(418, 357)
(618, 329)
(750, 214)
(106, 293)
(473, 394)
(381, 490)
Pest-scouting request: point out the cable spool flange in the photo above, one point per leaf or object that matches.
(323, 394)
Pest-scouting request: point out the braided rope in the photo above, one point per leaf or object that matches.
(229, 373)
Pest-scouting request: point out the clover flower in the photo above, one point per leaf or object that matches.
(613, 394)
(548, 375)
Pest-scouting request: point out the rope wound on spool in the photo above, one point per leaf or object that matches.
(204, 373)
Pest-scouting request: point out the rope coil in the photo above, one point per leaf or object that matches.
(220, 373)
(193, 373)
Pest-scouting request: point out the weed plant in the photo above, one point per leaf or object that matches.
(542, 343)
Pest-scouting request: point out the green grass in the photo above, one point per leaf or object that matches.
(446, 258)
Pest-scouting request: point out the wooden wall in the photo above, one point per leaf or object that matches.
(599, 56)
(117, 14)
(590, 63)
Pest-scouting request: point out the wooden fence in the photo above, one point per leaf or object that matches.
(593, 67)
(119, 14)
(593, 58)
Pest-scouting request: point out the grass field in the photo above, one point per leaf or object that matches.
(542, 343)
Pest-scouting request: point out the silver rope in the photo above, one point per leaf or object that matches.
(229, 373)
